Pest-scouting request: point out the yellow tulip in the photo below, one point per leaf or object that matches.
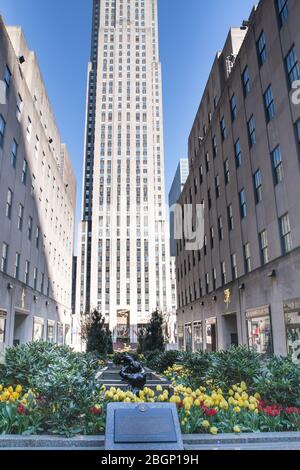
(252, 407)
(237, 429)
(231, 393)
(159, 388)
(243, 386)
(213, 430)
(257, 396)
(197, 403)
(237, 409)
(205, 424)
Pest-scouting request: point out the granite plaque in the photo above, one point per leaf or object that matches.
(143, 426)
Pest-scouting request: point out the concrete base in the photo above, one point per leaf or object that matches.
(258, 441)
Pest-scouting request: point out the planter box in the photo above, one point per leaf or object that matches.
(260, 441)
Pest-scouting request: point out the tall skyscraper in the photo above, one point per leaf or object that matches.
(123, 264)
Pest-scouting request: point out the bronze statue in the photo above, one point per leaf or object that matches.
(133, 373)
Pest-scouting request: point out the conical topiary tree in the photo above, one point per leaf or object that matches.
(151, 338)
(97, 335)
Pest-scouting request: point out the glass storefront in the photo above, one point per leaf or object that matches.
(67, 335)
(188, 337)
(259, 330)
(292, 326)
(50, 331)
(2, 328)
(180, 333)
(211, 334)
(38, 329)
(60, 333)
(198, 336)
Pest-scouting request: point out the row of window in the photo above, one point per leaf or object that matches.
(189, 296)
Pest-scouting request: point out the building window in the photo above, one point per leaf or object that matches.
(223, 273)
(2, 129)
(19, 107)
(209, 199)
(277, 165)
(218, 186)
(17, 266)
(223, 129)
(257, 186)
(27, 272)
(14, 153)
(20, 217)
(292, 66)
(233, 108)
(24, 172)
(214, 146)
(259, 331)
(285, 233)
(9, 199)
(28, 129)
(37, 237)
(243, 204)
(251, 131)
(207, 162)
(7, 78)
(230, 217)
(207, 283)
(35, 278)
(264, 249)
(220, 228)
(4, 258)
(212, 238)
(238, 153)
(247, 258)
(262, 49)
(226, 171)
(269, 104)
(246, 81)
(29, 232)
(283, 11)
(234, 267)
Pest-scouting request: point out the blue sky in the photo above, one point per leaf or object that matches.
(191, 31)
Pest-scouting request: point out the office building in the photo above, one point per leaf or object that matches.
(37, 205)
(123, 262)
(243, 286)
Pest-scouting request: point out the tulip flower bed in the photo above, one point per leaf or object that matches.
(47, 389)
(210, 410)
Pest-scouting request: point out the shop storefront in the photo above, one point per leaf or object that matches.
(38, 329)
(211, 334)
(180, 332)
(3, 315)
(198, 336)
(259, 330)
(188, 334)
(292, 325)
(51, 331)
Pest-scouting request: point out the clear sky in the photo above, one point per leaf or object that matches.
(191, 32)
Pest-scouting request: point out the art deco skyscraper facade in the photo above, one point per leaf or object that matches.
(123, 265)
